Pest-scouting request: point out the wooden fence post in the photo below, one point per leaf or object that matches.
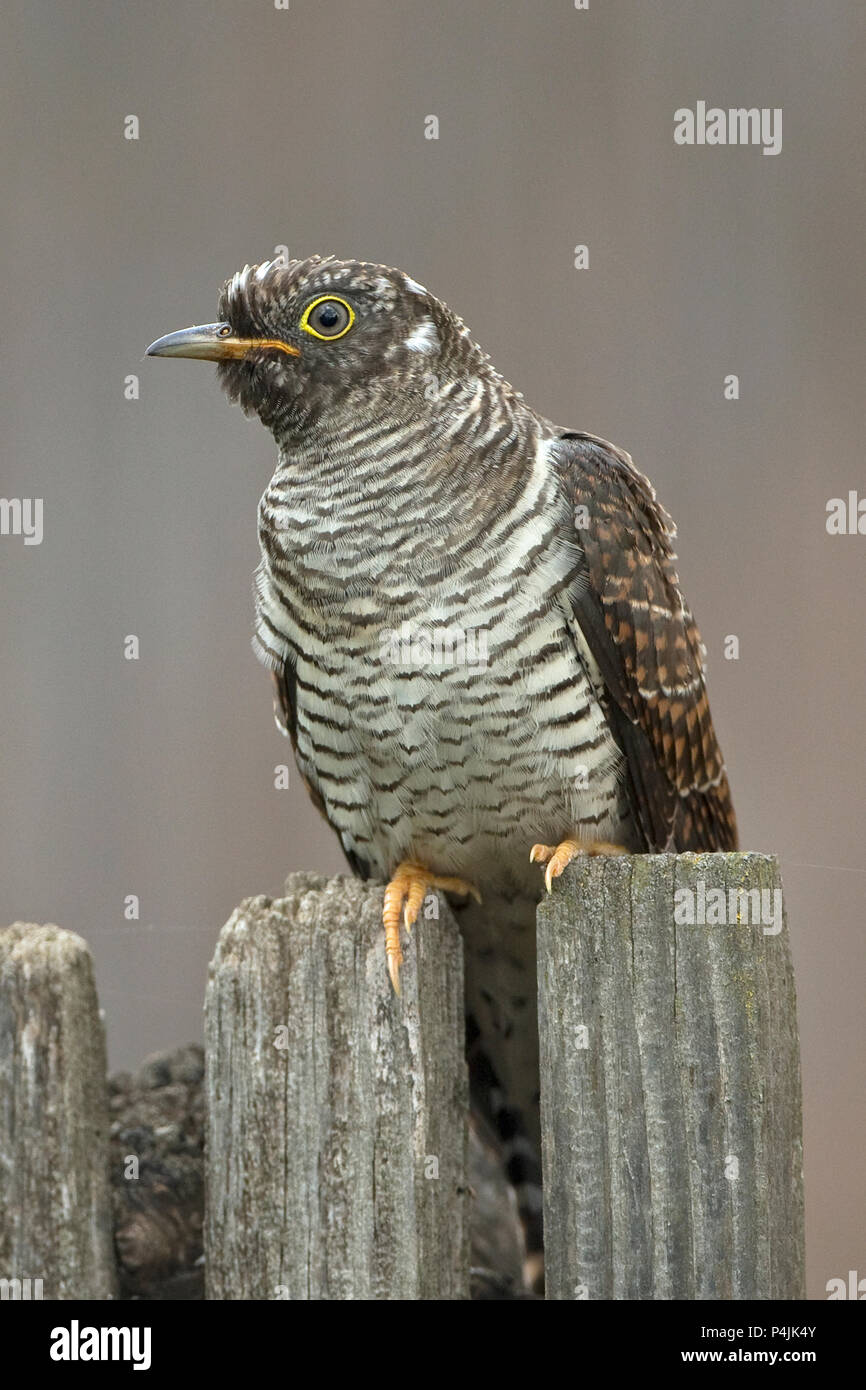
(336, 1112)
(55, 1204)
(670, 1081)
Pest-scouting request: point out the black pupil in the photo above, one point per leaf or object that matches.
(329, 316)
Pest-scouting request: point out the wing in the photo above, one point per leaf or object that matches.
(285, 714)
(627, 602)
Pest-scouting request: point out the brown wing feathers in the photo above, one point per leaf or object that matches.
(645, 640)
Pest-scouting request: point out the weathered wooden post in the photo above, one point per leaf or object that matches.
(337, 1113)
(55, 1204)
(670, 1081)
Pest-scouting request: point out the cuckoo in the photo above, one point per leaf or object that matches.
(480, 648)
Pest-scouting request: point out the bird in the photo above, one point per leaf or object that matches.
(480, 648)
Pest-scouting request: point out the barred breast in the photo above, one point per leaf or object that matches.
(446, 709)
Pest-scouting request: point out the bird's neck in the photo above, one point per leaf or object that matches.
(445, 452)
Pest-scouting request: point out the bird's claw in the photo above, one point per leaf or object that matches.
(558, 857)
(403, 897)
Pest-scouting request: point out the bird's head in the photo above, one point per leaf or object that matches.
(295, 342)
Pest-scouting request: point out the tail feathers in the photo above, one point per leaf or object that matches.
(520, 1157)
(523, 1168)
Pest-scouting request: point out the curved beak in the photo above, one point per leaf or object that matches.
(213, 342)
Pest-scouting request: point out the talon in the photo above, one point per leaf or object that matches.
(403, 898)
(558, 857)
(539, 854)
(391, 920)
(394, 962)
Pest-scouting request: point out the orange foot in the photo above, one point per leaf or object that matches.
(558, 857)
(409, 883)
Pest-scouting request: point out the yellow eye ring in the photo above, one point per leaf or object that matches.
(327, 299)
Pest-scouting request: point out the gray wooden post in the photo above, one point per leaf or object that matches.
(670, 1081)
(337, 1113)
(55, 1204)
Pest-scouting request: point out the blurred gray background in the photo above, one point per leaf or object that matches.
(305, 127)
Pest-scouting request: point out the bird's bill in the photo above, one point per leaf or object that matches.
(213, 342)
